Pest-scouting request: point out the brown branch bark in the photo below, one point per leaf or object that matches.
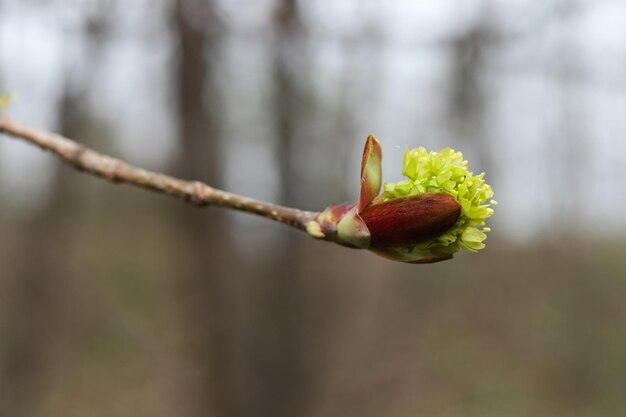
(115, 170)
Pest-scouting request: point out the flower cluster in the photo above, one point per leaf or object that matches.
(438, 210)
(5, 99)
(445, 171)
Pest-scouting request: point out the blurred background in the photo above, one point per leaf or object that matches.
(119, 302)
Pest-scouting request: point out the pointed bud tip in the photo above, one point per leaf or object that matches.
(371, 171)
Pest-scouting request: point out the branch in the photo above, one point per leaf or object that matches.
(115, 170)
(403, 224)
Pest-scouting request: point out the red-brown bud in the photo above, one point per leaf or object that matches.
(388, 227)
(409, 220)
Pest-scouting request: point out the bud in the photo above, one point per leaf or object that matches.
(439, 209)
(409, 220)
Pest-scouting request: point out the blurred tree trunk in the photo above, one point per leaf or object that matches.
(279, 373)
(468, 105)
(203, 279)
(289, 390)
(34, 319)
(571, 145)
(38, 314)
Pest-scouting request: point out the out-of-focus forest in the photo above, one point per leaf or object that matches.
(119, 302)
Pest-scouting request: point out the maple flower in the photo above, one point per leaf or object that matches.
(438, 210)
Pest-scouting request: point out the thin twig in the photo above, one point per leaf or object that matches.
(115, 170)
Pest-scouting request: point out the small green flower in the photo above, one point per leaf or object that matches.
(5, 99)
(446, 171)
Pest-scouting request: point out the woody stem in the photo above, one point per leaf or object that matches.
(115, 170)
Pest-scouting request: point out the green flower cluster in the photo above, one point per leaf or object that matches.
(5, 99)
(446, 171)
